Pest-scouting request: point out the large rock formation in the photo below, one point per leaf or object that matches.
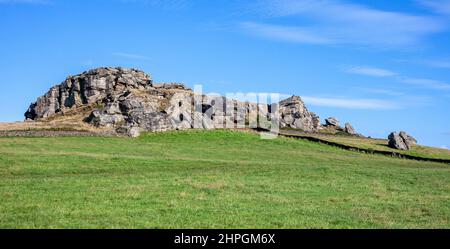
(128, 101)
(87, 88)
(401, 141)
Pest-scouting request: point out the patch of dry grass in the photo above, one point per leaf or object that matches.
(70, 120)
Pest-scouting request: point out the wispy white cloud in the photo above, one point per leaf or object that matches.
(333, 21)
(439, 6)
(370, 71)
(164, 4)
(436, 63)
(131, 56)
(24, 2)
(88, 63)
(379, 72)
(428, 83)
(347, 103)
(380, 91)
(291, 34)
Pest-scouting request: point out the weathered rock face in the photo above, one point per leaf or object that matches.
(349, 129)
(401, 141)
(294, 114)
(409, 140)
(396, 142)
(332, 122)
(87, 88)
(128, 101)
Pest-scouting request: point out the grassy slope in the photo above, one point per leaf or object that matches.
(213, 179)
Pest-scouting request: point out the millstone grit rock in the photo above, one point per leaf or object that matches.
(332, 122)
(128, 101)
(294, 114)
(87, 88)
(349, 129)
(409, 140)
(134, 132)
(401, 141)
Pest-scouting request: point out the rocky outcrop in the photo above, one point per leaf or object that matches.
(349, 129)
(332, 122)
(294, 114)
(396, 142)
(127, 100)
(87, 88)
(401, 141)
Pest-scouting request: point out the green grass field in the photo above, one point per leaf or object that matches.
(213, 179)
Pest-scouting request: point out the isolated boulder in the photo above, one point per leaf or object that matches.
(401, 141)
(349, 129)
(332, 122)
(397, 142)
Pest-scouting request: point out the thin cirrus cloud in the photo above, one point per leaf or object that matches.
(435, 63)
(164, 4)
(24, 1)
(337, 22)
(438, 63)
(131, 56)
(380, 91)
(348, 103)
(380, 72)
(439, 6)
(435, 84)
(290, 34)
(370, 71)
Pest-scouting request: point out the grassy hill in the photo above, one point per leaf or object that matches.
(213, 179)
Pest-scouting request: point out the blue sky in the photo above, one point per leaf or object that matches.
(381, 65)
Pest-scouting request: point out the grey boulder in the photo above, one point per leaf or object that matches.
(349, 129)
(401, 141)
(332, 122)
(408, 139)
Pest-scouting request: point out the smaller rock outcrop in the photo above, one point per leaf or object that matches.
(349, 129)
(332, 122)
(294, 114)
(401, 141)
(396, 142)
